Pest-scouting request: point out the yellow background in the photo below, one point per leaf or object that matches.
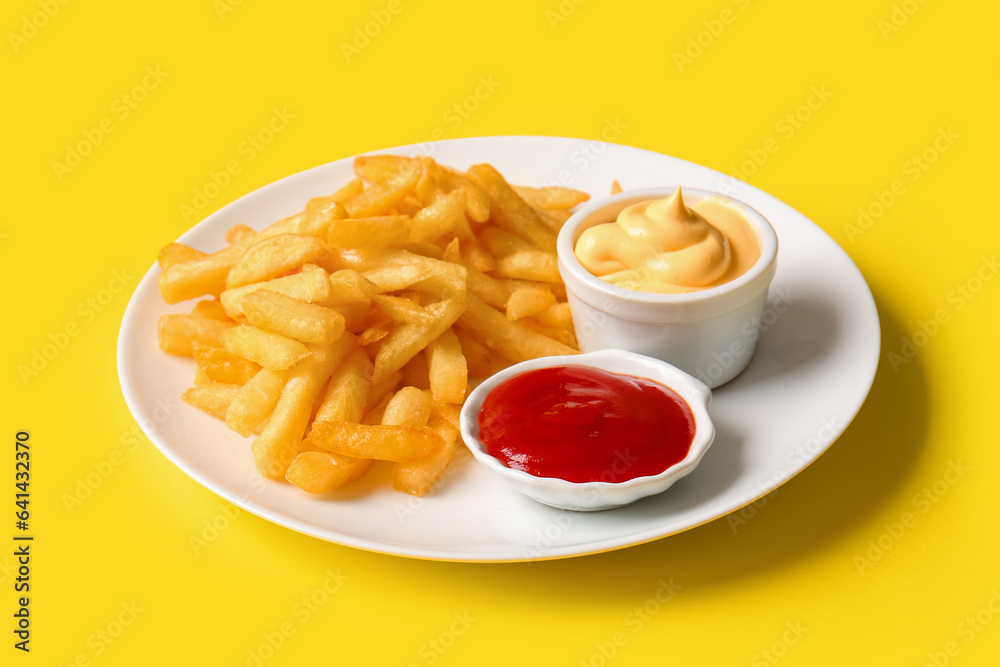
(808, 558)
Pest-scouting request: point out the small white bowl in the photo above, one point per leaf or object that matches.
(589, 496)
(711, 334)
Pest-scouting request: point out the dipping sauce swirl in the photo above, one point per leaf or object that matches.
(667, 247)
(585, 424)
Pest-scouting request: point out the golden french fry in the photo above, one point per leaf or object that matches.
(198, 277)
(616, 187)
(536, 265)
(255, 401)
(382, 168)
(340, 196)
(319, 472)
(212, 398)
(274, 256)
(478, 257)
(447, 369)
(383, 195)
(311, 284)
(177, 332)
(564, 336)
(212, 309)
(385, 443)
(290, 317)
(416, 373)
(270, 350)
(381, 392)
(349, 286)
(381, 231)
(477, 282)
(557, 316)
(221, 365)
(513, 341)
(239, 234)
(347, 394)
(408, 339)
(500, 243)
(418, 478)
(528, 301)
(477, 203)
(477, 355)
(446, 214)
(509, 211)
(355, 314)
(177, 253)
(551, 197)
(280, 440)
(408, 407)
(402, 310)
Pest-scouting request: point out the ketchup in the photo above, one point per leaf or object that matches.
(584, 424)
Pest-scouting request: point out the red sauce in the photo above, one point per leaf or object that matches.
(584, 424)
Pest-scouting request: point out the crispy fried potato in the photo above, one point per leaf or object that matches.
(221, 365)
(385, 231)
(408, 339)
(270, 350)
(447, 369)
(255, 401)
(347, 394)
(384, 443)
(310, 284)
(212, 398)
(443, 216)
(509, 211)
(383, 195)
(513, 341)
(551, 197)
(528, 301)
(275, 256)
(535, 265)
(290, 317)
(177, 332)
(177, 253)
(418, 477)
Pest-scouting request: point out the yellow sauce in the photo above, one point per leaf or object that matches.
(665, 246)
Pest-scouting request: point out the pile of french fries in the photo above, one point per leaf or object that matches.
(348, 333)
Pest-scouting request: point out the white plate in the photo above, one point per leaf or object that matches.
(814, 366)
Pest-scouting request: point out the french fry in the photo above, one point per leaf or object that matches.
(408, 339)
(280, 440)
(383, 195)
(347, 394)
(416, 373)
(445, 215)
(383, 168)
(418, 477)
(274, 256)
(402, 310)
(310, 222)
(212, 398)
(349, 286)
(221, 365)
(513, 341)
(536, 265)
(447, 369)
(616, 187)
(311, 284)
(382, 391)
(557, 316)
(477, 203)
(177, 253)
(384, 443)
(509, 211)
(198, 277)
(290, 317)
(270, 350)
(212, 309)
(500, 243)
(177, 332)
(551, 197)
(528, 301)
(477, 355)
(382, 231)
(408, 407)
(340, 196)
(564, 336)
(239, 234)
(255, 401)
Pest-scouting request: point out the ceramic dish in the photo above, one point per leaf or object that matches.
(814, 365)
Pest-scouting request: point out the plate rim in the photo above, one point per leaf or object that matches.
(650, 534)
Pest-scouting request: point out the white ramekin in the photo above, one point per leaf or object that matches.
(589, 496)
(711, 334)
